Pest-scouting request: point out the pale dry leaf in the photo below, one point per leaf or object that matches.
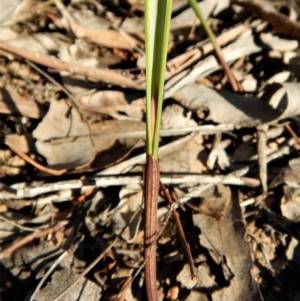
(278, 43)
(6, 234)
(196, 296)
(284, 98)
(9, 9)
(290, 204)
(57, 124)
(205, 281)
(173, 116)
(89, 19)
(43, 43)
(188, 17)
(11, 102)
(108, 38)
(7, 34)
(225, 237)
(229, 108)
(85, 24)
(60, 280)
(225, 107)
(280, 77)
(21, 142)
(133, 25)
(117, 104)
(79, 52)
(293, 250)
(190, 157)
(104, 37)
(249, 83)
(218, 155)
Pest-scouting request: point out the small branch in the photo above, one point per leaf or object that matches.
(104, 75)
(181, 233)
(10, 250)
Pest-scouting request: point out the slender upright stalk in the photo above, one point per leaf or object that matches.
(234, 84)
(157, 26)
(151, 198)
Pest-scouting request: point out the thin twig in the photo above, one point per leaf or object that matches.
(57, 261)
(56, 172)
(10, 250)
(181, 233)
(262, 155)
(105, 75)
(113, 180)
(9, 221)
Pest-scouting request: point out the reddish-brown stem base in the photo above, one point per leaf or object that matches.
(151, 198)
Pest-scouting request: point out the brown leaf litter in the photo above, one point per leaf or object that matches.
(72, 80)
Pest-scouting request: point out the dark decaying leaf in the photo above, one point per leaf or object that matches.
(226, 239)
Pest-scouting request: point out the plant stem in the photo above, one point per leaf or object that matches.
(234, 84)
(151, 198)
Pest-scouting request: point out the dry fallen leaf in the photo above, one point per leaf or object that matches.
(205, 281)
(192, 157)
(117, 104)
(229, 108)
(66, 141)
(60, 280)
(12, 102)
(225, 238)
